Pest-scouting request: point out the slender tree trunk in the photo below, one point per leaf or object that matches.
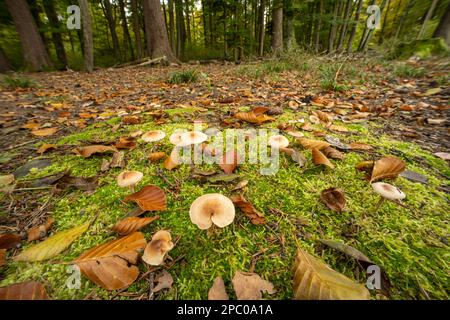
(34, 51)
(262, 28)
(443, 28)
(35, 12)
(427, 18)
(403, 18)
(126, 32)
(52, 16)
(188, 22)
(87, 35)
(136, 28)
(156, 33)
(318, 27)
(181, 29)
(291, 42)
(4, 63)
(333, 26)
(205, 24)
(383, 27)
(112, 28)
(277, 23)
(344, 27)
(172, 38)
(355, 25)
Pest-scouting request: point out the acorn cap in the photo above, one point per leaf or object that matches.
(388, 191)
(129, 178)
(278, 141)
(156, 250)
(212, 208)
(153, 136)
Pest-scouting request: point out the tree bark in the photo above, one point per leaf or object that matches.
(136, 28)
(403, 18)
(52, 16)
(188, 22)
(443, 28)
(126, 32)
(277, 23)
(34, 51)
(333, 27)
(427, 18)
(4, 63)
(383, 27)
(87, 35)
(261, 29)
(181, 29)
(156, 33)
(291, 42)
(318, 27)
(171, 25)
(344, 27)
(112, 28)
(355, 24)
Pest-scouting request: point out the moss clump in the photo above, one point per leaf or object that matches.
(421, 48)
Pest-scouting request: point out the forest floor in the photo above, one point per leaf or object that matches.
(392, 108)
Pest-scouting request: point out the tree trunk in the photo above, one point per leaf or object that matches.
(344, 27)
(318, 27)
(34, 52)
(205, 26)
(333, 26)
(188, 22)
(181, 29)
(156, 33)
(403, 18)
(291, 42)
(277, 23)
(87, 35)
(126, 32)
(112, 29)
(355, 24)
(171, 25)
(52, 16)
(427, 18)
(383, 27)
(4, 63)
(261, 30)
(35, 12)
(443, 28)
(136, 28)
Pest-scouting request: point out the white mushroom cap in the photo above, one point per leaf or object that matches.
(153, 136)
(193, 137)
(175, 138)
(129, 178)
(278, 141)
(388, 191)
(156, 250)
(212, 208)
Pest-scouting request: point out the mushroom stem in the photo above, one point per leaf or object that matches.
(132, 188)
(380, 202)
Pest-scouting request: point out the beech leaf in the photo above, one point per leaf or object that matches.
(132, 224)
(333, 198)
(30, 290)
(149, 198)
(387, 168)
(217, 291)
(250, 286)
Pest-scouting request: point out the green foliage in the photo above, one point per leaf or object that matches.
(329, 77)
(185, 76)
(406, 71)
(17, 82)
(265, 69)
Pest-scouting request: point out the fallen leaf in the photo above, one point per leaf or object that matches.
(222, 177)
(131, 120)
(252, 117)
(387, 168)
(40, 232)
(112, 265)
(149, 198)
(248, 209)
(240, 185)
(320, 159)
(45, 147)
(432, 91)
(30, 290)
(443, 155)
(9, 240)
(52, 246)
(336, 142)
(360, 146)
(164, 281)
(333, 198)
(337, 128)
(296, 155)
(88, 151)
(324, 117)
(313, 144)
(84, 184)
(132, 224)
(125, 143)
(173, 160)
(217, 291)
(156, 156)
(228, 161)
(250, 286)
(2, 257)
(314, 280)
(414, 176)
(44, 132)
(332, 153)
(6, 180)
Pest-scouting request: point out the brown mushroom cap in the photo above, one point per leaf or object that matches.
(129, 178)
(156, 250)
(153, 136)
(278, 141)
(388, 191)
(212, 208)
(192, 137)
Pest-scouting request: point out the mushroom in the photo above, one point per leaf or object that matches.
(153, 136)
(278, 141)
(212, 208)
(192, 137)
(156, 250)
(129, 179)
(387, 192)
(175, 138)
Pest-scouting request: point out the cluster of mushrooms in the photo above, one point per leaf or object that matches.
(213, 208)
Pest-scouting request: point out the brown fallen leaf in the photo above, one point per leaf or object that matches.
(44, 132)
(313, 144)
(320, 159)
(156, 156)
(248, 209)
(296, 155)
(81, 183)
(333, 198)
(443, 155)
(112, 265)
(217, 291)
(9, 240)
(126, 143)
(164, 281)
(30, 290)
(250, 286)
(88, 151)
(360, 146)
(314, 280)
(337, 128)
(149, 198)
(131, 120)
(132, 224)
(252, 117)
(2, 257)
(228, 161)
(324, 117)
(40, 232)
(332, 153)
(240, 185)
(45, 147)
(387, 168)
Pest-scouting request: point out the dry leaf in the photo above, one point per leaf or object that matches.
(332, 153)
(40, 232)
(314, 280)
(252, 117)
(333, 198)
(387, 168)
(9, 240)
(249, 286)
(126, 143)
(217, 291)
(6, 180)
(156, 156)
(44, 132)
(337, 128)
(112, 265)
(2, 257)
(248, 209)
(164, 281)
(131, 120)
(240, 185)
(132, 224)
(149, 198)
(324, 117)
(87, 151)
(45, 147)
(320, 159)
(313, 144)
(296, 155)
(228, 162)
(360, 146)
(443, 155)
(30, 290)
